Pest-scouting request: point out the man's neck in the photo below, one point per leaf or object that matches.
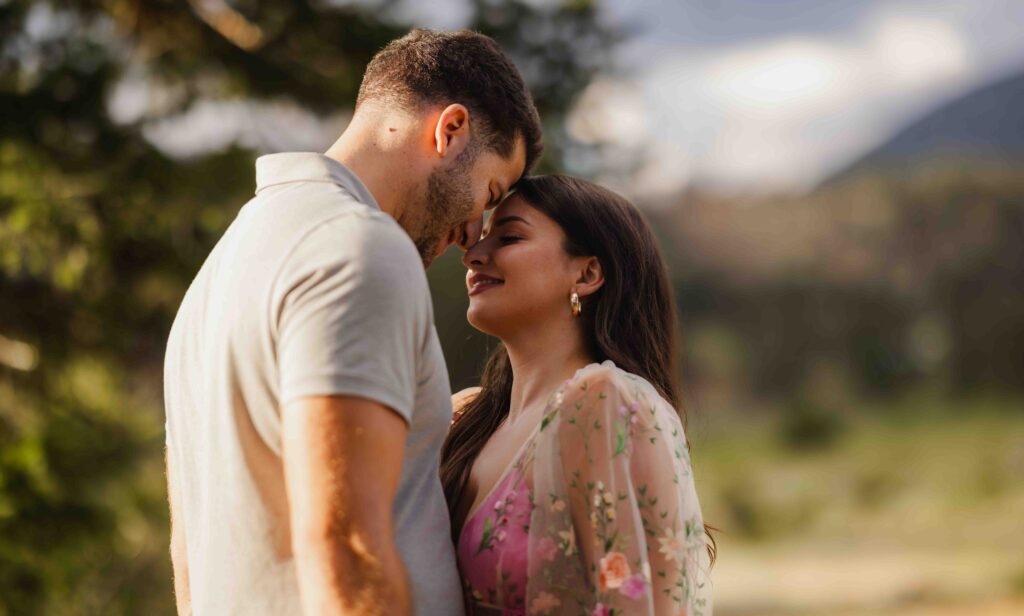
(372, 151)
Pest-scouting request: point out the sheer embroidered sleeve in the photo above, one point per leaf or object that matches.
(616, 527)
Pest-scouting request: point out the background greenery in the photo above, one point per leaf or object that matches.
(853, 356)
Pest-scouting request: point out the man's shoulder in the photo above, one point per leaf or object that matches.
(334, 226)
(367, 236)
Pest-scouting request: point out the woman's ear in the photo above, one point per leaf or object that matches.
(591, 277)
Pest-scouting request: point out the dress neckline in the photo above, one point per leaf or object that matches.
(475, 509)
(556, 398)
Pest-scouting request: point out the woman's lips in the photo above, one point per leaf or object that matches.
(481, 282)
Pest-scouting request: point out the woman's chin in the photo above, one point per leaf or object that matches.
(482, 318)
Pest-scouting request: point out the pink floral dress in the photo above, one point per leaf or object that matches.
(597, 514)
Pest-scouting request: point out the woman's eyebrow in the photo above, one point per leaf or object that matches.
(507, 219)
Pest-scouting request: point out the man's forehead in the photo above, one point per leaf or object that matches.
(513, 167)
(519, 158)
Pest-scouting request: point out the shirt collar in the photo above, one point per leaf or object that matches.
(274, 169)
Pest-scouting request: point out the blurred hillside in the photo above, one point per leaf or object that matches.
(885, 282)
(986, 124)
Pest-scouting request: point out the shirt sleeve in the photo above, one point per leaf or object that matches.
(617, 527)
(353, 314)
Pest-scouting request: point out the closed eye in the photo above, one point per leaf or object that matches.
(509, 239)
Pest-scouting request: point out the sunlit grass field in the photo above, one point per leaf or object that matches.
(915, 507)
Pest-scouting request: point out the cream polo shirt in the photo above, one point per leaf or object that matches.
(312, 290)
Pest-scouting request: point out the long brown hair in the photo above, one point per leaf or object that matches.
(630, 320)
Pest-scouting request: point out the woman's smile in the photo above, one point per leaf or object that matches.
(480, 282)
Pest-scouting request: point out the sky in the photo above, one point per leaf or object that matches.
(740, 94)
(777, 94)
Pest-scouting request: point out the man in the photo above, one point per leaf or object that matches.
(306, 393)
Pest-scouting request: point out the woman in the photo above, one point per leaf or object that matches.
(567, 472)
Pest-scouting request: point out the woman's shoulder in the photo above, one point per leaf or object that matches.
(461, 399)
(609, 377)
(603, 396)
(605, 384)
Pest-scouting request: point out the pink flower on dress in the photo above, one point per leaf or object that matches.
(547, 549)
(614, 570)
(544, 603)
(500, 535)
(634, 406)
(633, 587)
(600, 610)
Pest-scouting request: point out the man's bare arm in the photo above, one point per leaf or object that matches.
(342, 462)
(179, 551)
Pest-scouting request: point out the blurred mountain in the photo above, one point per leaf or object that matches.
(986, 124)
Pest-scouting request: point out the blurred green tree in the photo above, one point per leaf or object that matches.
(101, 232)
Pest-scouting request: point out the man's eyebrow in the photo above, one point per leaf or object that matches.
(507, 219)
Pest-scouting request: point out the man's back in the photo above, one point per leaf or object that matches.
(298, 299)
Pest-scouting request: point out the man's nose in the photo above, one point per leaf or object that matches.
(475, 254)
(470, 234)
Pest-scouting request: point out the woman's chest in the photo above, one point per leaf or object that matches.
(503, 450)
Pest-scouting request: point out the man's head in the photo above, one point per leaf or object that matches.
(473, 130)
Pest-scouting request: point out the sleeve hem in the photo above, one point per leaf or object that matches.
(348, 385)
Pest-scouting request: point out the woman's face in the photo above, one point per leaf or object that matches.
(518, 273)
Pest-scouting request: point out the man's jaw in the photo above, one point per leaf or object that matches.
(441, 247)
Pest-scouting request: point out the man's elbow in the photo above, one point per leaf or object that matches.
(351, 567)
(349, 546)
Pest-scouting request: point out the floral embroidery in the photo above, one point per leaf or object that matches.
(614, 570)
(616, 529)
(634, 586)
(672, 545)
(544, 603)
(547, 549)
(568, 543)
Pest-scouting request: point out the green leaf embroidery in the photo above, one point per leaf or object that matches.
(620, 440)
(485, 540)
(548, 419)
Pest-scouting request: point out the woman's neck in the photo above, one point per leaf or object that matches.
(541, 361)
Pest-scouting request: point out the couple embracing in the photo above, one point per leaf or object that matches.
(317, 461)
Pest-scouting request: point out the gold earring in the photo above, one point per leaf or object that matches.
(574, 301)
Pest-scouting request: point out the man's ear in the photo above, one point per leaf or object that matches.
(591, 277)
(451, 132)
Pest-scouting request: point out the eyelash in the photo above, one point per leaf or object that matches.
(509, 239)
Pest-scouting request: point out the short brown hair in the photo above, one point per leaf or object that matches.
(426, 67)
